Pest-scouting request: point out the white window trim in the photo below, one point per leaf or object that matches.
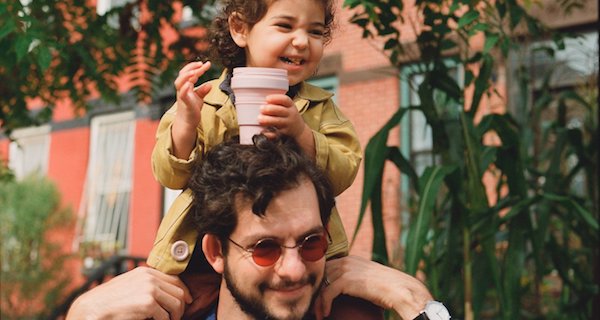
(103, 6)
(24, 138)
(99, 223)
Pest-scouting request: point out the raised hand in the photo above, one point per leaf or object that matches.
(189, 106)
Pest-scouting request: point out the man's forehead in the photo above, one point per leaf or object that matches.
(293, 211)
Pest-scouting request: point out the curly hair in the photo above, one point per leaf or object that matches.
(222, 47)
(257, 173)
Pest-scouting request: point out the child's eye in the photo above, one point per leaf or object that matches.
(284, 25)
(317, 32)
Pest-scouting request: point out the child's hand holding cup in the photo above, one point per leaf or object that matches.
(251, 86)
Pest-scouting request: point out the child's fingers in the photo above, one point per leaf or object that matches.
(182, 79)
(203, 90)
(191, 65)
(187, 94)
(274, 110)
(270, 134)
(185, 70)
(280, 99)
(198, 72)
(191, 72)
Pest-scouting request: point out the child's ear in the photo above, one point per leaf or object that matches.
(238, 29)
(213, 252)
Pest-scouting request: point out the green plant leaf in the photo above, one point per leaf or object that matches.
(379, 250)
(490, 42)
(403, 165)
(44, 57)
(430, 182)
(390, 44)
(7, 28)
(375, 157)
(467, 18)
(516, 14)
(22, 46)
(585, 215)
(448, 85)
(482, 82)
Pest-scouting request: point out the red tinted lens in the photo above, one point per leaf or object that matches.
(266, 252)
(314, 247)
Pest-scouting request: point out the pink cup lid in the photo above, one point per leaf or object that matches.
(251, 77)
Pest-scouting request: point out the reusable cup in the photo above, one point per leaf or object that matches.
(251, 86)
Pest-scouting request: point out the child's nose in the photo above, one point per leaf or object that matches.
(300, 40)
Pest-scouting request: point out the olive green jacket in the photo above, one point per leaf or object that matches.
(338, 153)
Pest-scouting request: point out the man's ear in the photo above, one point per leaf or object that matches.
(238, 29)
(213, 252)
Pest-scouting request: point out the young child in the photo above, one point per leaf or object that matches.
(285, 34)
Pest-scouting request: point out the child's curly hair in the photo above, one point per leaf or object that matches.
(222, 47)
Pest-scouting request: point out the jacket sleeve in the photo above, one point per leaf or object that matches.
(170, 171)
(337, 147)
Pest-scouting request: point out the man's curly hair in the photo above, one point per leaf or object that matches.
(222, 47)
(256, 173)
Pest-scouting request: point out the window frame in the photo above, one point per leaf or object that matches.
(27, 139)
(105, 225)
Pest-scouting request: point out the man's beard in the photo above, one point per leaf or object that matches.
(257, 308)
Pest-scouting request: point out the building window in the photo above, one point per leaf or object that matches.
(108, 185)
(113, 20)
(103, 6)
(28, 153)
(330, 84)
(553, 71)
(417, 138)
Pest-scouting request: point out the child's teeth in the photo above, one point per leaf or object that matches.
(294, 61)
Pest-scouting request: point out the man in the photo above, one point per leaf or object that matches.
(263, 210)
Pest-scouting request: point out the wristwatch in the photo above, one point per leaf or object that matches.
(434, 310)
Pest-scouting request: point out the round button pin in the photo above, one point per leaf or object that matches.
(180, 250)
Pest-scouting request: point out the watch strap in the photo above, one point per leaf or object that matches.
(422, 316)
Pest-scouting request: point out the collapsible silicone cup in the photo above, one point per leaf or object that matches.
(251, 86)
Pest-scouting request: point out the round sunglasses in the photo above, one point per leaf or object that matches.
(267, 251)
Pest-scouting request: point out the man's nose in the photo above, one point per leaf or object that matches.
(291, 267)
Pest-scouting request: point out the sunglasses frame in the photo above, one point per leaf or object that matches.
(298, 245)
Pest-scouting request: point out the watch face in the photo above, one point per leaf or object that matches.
(436, 311)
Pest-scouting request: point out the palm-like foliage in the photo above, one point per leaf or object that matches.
(489, 259)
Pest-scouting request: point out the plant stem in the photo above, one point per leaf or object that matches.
(468, 274)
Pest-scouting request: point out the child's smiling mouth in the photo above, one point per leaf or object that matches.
(294, 61)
